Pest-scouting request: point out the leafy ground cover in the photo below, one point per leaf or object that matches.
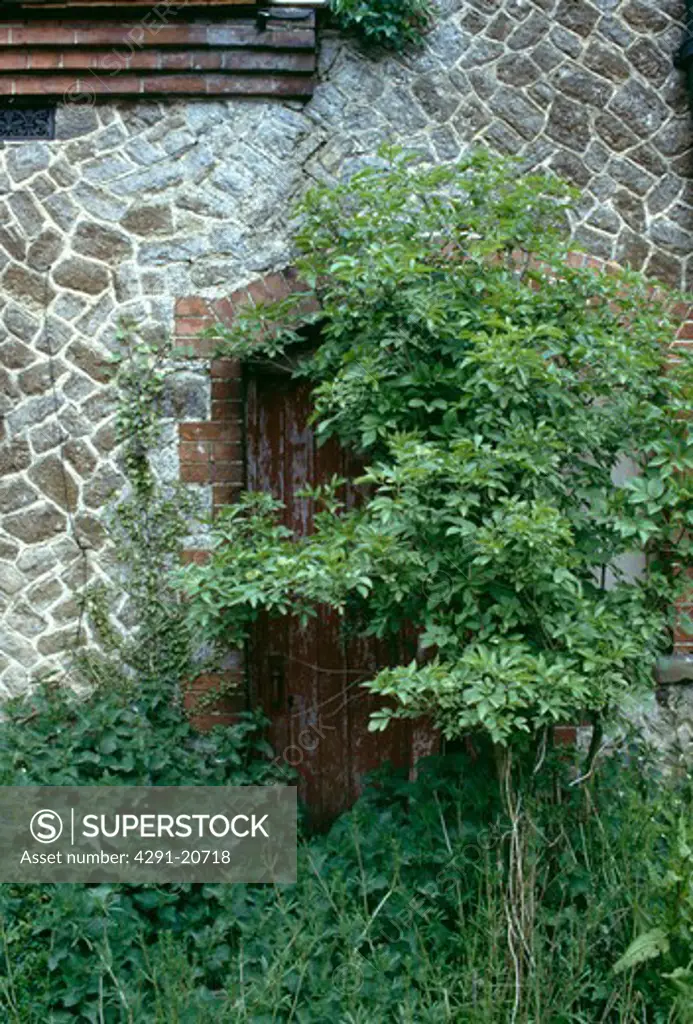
(400, 913)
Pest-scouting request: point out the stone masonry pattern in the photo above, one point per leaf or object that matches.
(150, 210)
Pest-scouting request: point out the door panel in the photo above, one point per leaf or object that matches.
(306, 679)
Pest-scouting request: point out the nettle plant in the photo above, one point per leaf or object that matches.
(495, 391)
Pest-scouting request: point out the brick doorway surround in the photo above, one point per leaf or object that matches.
(211, 451)
(211, 454)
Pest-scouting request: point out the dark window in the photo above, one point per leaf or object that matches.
(26, 122)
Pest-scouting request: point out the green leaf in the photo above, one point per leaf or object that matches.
(646, 947)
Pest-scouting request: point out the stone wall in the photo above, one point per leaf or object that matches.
(138, 205)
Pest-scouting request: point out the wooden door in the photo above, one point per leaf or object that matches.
(306, 679)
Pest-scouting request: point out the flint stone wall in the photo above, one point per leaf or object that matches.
(136, 205)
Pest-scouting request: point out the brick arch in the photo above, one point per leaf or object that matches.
(211, 451)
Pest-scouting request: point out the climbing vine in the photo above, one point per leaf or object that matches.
(138, 617)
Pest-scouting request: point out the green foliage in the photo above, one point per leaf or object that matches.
(497, 392)
(399, 915)
(668, 917)
(494, 399)
(135, 735)
(646, 947)
(139, 619)
(394, 24)
(65, 943)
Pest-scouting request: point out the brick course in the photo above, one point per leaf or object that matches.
(157, 56)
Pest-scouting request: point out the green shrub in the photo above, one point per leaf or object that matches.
(496, 391)
(393, 24)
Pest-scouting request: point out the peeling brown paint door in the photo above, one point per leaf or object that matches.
(307, 679)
